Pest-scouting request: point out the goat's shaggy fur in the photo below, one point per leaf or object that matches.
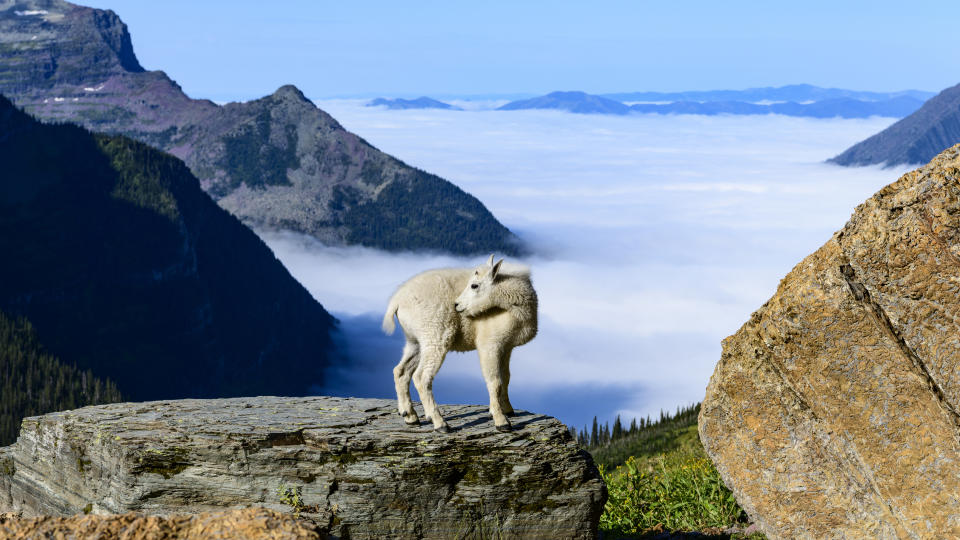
(492, 309)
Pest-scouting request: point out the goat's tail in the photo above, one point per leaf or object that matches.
(388, 324)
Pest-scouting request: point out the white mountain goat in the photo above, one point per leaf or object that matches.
(490, 309)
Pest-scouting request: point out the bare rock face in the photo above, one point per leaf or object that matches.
(257, 523)
(350, 465)
(833, 412)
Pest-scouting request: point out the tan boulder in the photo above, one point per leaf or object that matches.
(258, 523)
(833, 411)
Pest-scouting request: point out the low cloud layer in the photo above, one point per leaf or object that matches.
(656, 237)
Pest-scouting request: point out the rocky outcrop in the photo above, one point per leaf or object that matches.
(350, 465)
(833, 412)
(277, 162)
(915, 139)
(258, 523)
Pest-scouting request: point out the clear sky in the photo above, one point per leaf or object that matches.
(244, 49)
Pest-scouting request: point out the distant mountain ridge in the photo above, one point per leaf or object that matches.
(914, 139)
(571, 101)
(583, 103)
(124, 267)
(829, 108)
(792, 92)
(277, 162)
(419, 103)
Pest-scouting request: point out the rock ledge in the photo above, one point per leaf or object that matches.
(360, 472)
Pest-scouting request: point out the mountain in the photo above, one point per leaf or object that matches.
(419, 103)
(123, 266)
(793, 92)
(897, 107)
(575, 102)
(914, 139)
(276, 162)
(583, 103)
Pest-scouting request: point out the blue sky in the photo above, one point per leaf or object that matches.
(244, 49)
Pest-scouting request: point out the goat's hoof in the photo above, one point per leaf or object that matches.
(505, 428)
(443, 429)
(411, 420)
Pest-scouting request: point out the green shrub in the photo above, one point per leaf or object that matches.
(660, 480)
(679, 491)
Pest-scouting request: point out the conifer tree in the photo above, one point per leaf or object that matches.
(33, 382)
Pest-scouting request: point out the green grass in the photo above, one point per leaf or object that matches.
(666, 484)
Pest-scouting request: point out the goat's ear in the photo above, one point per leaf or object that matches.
(490, 260)
(495, 269)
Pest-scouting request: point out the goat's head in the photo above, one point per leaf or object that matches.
(477, 296)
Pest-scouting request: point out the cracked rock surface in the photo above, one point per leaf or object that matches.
(360, 472)
(833, 412)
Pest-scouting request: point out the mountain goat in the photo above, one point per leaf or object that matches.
(492, 309)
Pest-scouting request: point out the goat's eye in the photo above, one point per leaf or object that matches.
(474, 285)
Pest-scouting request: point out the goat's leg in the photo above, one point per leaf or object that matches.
(401, 378)
(503, 396)
(431, 358)
(490, 365)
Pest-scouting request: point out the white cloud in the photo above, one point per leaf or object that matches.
(657, 236)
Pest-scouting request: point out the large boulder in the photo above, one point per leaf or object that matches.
(833, 412)
(351, 465)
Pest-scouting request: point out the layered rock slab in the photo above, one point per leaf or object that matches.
(833, 412)
(358, 470)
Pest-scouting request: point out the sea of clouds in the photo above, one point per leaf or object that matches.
(655, 237)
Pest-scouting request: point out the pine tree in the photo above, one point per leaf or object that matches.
(594, 435)
(33, 382)
(617, 429)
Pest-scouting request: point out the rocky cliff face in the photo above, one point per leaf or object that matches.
(48, 43)
(356, 468)
(125, 267)
(275, 162)
(914, 139)
(833, 412)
